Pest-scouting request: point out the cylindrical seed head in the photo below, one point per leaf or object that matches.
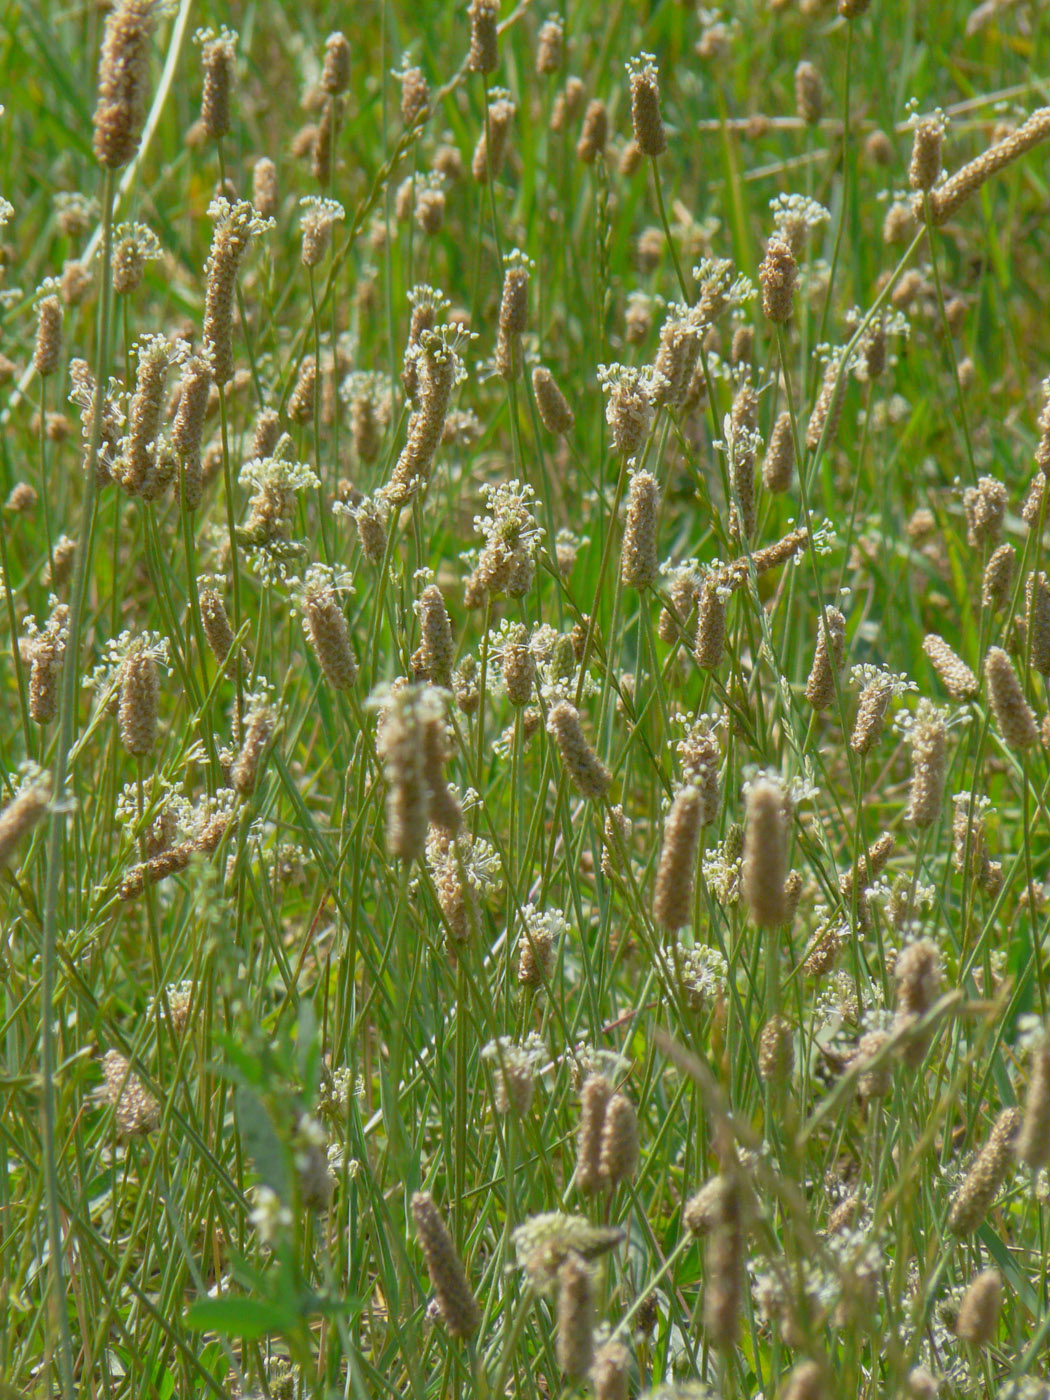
(778, 466)
(929, 744)
(978, 1319)
(776, 1051)
(335, 75)
(648, 124)
(639, 564)
(676, 873)
(1033, 1145)
(926, 148)
(765, 865)
(484, 39)
(21, 814)
(47, 352)
(594, 1099)
(618, 1156)
(437, 649)
(976, 1196)
(918, 977)
(217, 630)
(264, 188)
(1037, 622)
(218, 57)
(552, 405)
(123, 74)
(455, 1299)
(588, 774)
(329, 636)
(139, 697)
(1013, 714)
(575, 1316)
(998, 579)
(259, 728)
(809, 93)
(827, 659)
(610, 1374)
(711, 625)
(595, 134)
(550, 47)
(959, 681)
(778, 275)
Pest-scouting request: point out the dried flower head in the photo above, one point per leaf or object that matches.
(676, 873)
(983, 1182)
(136, 1110)
(1013, 714)
(218, 59)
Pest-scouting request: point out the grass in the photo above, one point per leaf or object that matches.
(249, 1004)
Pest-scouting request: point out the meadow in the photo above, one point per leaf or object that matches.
(524, 638)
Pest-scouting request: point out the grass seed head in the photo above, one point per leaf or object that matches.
(827, 659)
(676, 873)
(576, 1319)
(998, 579)
(958, 680)
(649, 133)
(123, 76)
(976, 1196)
(809, 93)
(982, 1303)
(218, 57)
(1013, 714)
(456, 1301)
(588, 774)
(335, 75)
(765, 853)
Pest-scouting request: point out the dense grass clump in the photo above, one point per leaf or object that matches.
(524, 637)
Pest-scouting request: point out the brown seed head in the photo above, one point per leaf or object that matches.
(978, 1319)
(123, 74)
(335, 76)
(595, 134)
(491, 150)
(778, 467)
(711, 624)
(552, 405)
(675, 876)
(484, 47)
(456, 1302)
(550, 47)
(725, 1265)
(618, 1154)
(1033, 1145)
(809, 93)
(1037, 622)
(139, 696)
(47, 353)
(610, 1374)
(230, 239)
(260, 724)
(264, 188)
(575, 1316)
(594, 1099)
(21, 814)
(137, 1111)
(1013, 714)
(778, 275)
(957, 678)
(985, 505)
(217, 630)
(976, 1196)
(827, 659)
(926, 153)
(648, 124)
(328, 634)
(437, 650)
(415, 106)
(218, 57)
(765, 866)
(639, 564)
(918, 978)
(827, 411)
(776, 1051)
(588, 774)
(998, 579)
(929, 743)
